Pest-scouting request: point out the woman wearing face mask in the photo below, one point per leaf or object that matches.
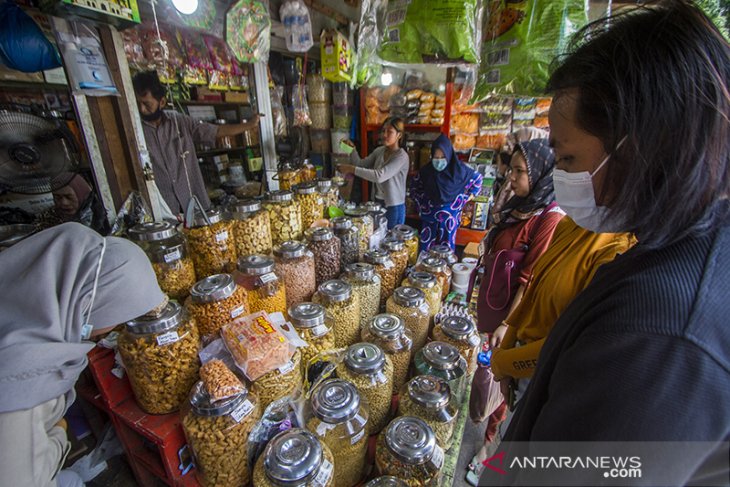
(60, 287)
(440, 190)
(387, 167)
(642, 353)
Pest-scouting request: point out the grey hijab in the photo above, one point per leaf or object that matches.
(46, 287)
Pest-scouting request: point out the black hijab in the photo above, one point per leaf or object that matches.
(443, 187)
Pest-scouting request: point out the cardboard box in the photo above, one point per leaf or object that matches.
(236, 97)
(471, 250)
(336, 56)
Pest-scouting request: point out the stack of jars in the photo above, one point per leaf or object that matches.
(431, 287)
(462, 333)
(429, 398)
(439, 268)
(443, 360)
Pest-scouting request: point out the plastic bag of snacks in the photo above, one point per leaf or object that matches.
(219, 382)
(155, 52)
(295, 17)
(222, 64)
(197, 60)
(248, 31)
(301, 107)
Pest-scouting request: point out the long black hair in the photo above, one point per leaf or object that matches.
(658, 75)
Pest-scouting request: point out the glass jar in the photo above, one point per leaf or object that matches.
(285, 380)
(365, 284)
(389, 332)
(168, 252)
(294, 458)
(443, 251)
(326, 250)
(285, 215)
(429, 398)
(311, 203)
(398, 253)
(160, 356)
(251, 228)
(386, 481)
(212, 244)
(408, 450)
(266, 292)
(386, 269)
(349, 237)
(330, 193)
(377, 212)
(371, 371)
(344, 308)
(409, 304)
(215, 301)
(409, 235)
(295, 264)
(314, 327)
(338, 418)
(364, 223)
(217, 433)
(462, 333)
(431, 287)
(443, 360)
(438, 267)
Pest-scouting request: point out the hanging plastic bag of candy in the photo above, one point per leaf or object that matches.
(163, 52)
(277, 111)
(248, 31)
(295, 17)
(301, 108)
(197, 60)
(222, 65)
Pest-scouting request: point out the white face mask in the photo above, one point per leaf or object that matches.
(575, 195)
(87, 328)
(439, 163)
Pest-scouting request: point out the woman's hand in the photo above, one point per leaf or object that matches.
(346, 168)
(498, 335)
(348, 142)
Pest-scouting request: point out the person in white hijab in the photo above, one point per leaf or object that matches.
(58, 288)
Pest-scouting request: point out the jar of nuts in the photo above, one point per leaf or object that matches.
(431, 287)
(310, 202)
(215, 301)
(389, 332)
(462, 333)
(439, 268)
(280, 382)
(386, 481)
(349, 237)
(343, 307)
(252, 228)
(295, 265)
(443, 251)
(168, 252)
(294, 458)
(285, 215)
(386, 269)
(212, 244)
(371, 371)
(160, 356)
(377, 212)
(409, 235)
(266, 292)
(429, 398)
(443, 360)
(364, 223)
(409, 304)
(326, 250)
(217, 433)
(408, 450)
(314, 327)
(398, 253)
(338, 419)
(365, 284)
(330, 193)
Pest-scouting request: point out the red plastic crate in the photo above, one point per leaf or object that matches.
(112, 389)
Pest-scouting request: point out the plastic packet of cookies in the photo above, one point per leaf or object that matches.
(219, 381)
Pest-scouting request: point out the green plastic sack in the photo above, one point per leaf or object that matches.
(424, 31)
(520, 40)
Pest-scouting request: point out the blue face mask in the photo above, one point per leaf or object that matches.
(439, 164)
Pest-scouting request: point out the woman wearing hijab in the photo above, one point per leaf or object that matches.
(440, 190)
(74, 201)
(59, 288)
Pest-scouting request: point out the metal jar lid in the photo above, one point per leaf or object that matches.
(377, 256)
(391, 244)
(341, 223)
(335, 401)
(292, 457)
(324, 185)
(441, 355)
(213, 288)
(387, 326)
(461, 329)
(307, 315)
(410, 439)
(386, 481)
(214, 216)
(320, 234)
(429, 391)
(423, 280)
(405, 232)
(310, 187)
(364, 358)
(444, 252)
(356, 212)
(255, 265)
(409, 297)
(279, 196)
(335, 290)
(435, 265)
(152, 231)
(170, 318)
(203, 406)
(291, 249)
(372, 206)
(244, 207)
(360, 271)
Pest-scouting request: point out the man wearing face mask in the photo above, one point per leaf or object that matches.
(171, 139)
(440, 190)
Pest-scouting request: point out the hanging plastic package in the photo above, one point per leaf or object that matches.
(197, 60)
(277, 111)
(248, 31)
(422, 31)
(222, 64)
(23, 46)
(520, 41)
(87, 69)
(163, 52)
(336, 55)
(295, 17)
(367, 65)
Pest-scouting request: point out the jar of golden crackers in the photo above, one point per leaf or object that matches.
(266, 292)
(212, 244)
(285, 215)
(252, 228)
(215, 301)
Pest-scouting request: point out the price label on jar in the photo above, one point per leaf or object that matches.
(237, 311)
(357, 437)
(243, 410)
(167, 338)
(319, 330)
(172, 256)
(287, 367)
(221, 237)
(325, 472)
(267, 278)
(437, 459)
